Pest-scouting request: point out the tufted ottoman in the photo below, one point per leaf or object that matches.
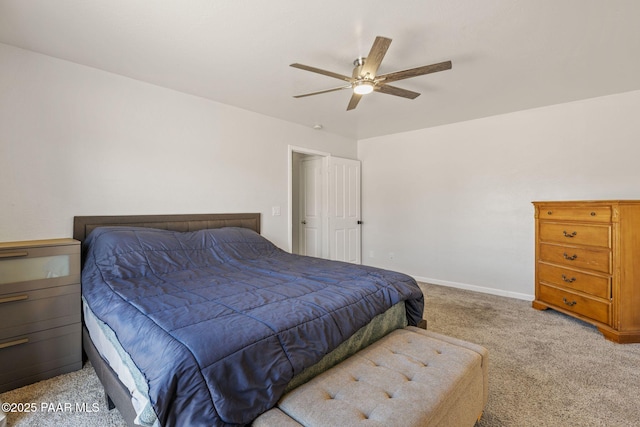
(411, 377)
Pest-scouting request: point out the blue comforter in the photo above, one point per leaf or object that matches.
(219, 321)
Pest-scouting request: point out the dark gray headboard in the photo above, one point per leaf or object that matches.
(83, 225)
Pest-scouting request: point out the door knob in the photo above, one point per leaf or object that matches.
(359, 222)
(303, 221)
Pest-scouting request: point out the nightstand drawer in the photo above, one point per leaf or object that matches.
(596, 260)
(576, 234)
(26, 266)
(579, 304)
(575, 213)
(33, 311)
(28, 358)
(598, 286)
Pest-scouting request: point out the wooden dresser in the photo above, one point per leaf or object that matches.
(40, 331)
(588, 263)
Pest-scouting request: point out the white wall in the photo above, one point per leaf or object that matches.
(79, 141)
(453, 203)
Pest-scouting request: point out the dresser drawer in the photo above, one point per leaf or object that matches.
(576, 234)
(575, 213)
(29, 358)
(579, 304)
(33, 311)
(596, 260)
(27, 267)
(598, 286)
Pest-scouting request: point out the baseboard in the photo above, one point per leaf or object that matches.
(482, 289)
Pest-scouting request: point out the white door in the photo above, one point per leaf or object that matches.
(311, 207)
(344, 210)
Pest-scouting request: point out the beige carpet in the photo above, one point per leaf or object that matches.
(546, 369)
(56, 399)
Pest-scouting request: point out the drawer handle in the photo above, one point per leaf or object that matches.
(14, 298)
(570, 258)
(593, 214)
(573, 279)
(15, 254)
(569, 234)
(549, 212)
(14, 343)
(569, 303)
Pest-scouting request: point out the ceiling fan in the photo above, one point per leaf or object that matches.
(364, 80)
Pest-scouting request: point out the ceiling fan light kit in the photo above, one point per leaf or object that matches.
(364, 79)
(363, 87)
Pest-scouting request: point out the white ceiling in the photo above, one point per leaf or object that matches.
(507, 55)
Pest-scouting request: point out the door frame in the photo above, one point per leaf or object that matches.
(300, 150)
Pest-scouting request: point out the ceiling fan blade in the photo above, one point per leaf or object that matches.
(392, 90)
(322, 91)
(378, 50)
(323, 72)
(353, 102)
(414, 72)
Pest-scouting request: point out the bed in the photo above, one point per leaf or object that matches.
(199, 320)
